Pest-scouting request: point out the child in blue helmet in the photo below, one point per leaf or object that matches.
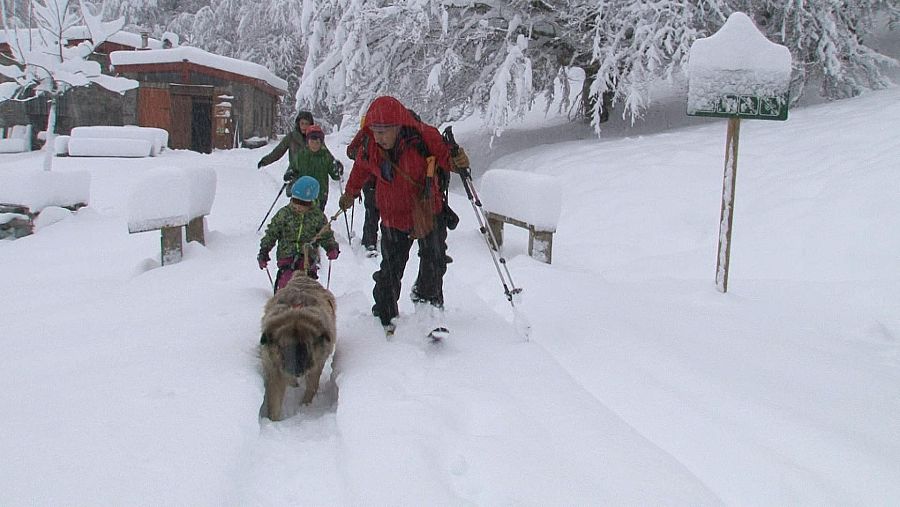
(299, 229)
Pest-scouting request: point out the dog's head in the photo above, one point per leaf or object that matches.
(298, 337)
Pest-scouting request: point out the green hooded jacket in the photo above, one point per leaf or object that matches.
(318, 164)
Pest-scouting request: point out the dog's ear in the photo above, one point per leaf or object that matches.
(263, 339)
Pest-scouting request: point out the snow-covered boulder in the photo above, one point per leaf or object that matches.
(109, 147)
(170, 196)
(532, 198)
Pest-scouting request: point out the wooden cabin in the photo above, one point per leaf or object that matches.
(203, 100)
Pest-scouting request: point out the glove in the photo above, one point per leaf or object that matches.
(288, 177)
(340, 167)
(460, 160)
(332, 254)
(260, 164)
(345, 202)
(263, 260)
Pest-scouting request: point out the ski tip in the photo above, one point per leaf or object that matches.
(439, 333)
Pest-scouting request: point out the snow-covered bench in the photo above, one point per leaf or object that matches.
(112, 141)
(16, 139)
(168, 199)
(530, 201)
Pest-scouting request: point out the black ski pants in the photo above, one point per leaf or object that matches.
(370, 225)
(429, 286)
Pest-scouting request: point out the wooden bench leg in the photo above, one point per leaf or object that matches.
(496, 226)
(540, 245)
(194, 230)
(171, 245)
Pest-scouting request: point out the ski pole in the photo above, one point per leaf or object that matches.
(349, 234)
(328, 282)
(270, 277)
(486, 232)
(271, 207)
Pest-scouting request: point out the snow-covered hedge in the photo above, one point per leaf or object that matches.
(158, 138)
(170, 196)
(532, 198)
(38, 189)
(111, 147)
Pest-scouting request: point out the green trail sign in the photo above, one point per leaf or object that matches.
(736, 73)
(749, 107)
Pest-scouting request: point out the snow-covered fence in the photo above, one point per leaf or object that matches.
(167, 199)
(530, 201)
(112, 141)
(16, 139)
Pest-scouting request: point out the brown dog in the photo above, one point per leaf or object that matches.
(298, 336)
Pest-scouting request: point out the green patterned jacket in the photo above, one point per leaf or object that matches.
(292, 230)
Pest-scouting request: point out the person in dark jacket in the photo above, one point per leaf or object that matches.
(359, 147)
(292, 143)
(405, 159)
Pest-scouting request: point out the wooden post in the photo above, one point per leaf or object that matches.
(496, 225)
(540, 245)
(170, 243)
(726, 217)
(194, 230)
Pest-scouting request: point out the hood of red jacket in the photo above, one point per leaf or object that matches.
(387, 110)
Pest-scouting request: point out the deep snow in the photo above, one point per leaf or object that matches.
(127, 383)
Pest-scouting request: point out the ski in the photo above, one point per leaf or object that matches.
(439, 334)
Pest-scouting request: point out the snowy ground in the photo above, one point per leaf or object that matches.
(127, 383)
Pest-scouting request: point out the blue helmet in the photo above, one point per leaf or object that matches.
(305, 189)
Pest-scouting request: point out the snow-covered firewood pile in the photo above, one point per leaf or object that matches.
(112, 141)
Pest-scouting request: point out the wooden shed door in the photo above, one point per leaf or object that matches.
(154, 108)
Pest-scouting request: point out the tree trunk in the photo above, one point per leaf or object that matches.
(50, 139)
(589, 102)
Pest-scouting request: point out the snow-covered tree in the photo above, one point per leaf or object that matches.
(449, 58)
(45, 65)
(828, 40)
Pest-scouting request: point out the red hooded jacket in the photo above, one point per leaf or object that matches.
(394, 196)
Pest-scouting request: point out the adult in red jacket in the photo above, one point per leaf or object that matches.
(406, 190)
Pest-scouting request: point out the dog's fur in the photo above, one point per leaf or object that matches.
(298, 336)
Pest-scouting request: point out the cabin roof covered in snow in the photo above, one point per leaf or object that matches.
(199, 57)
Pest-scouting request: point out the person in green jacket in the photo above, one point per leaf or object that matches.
(315, 161)
(299, 229)
(294, 142)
